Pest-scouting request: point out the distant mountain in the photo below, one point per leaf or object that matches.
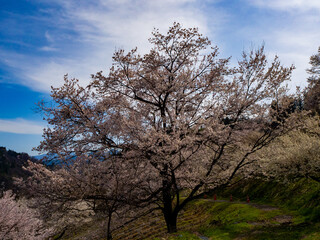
(40, 157)
(48, 159)
(11, 164)
(52, 159)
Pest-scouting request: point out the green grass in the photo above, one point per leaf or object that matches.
(224, 221)
(299, 199)
(217, 234)
(286, 232)
(229, 220)
(302, 196)
(294, 218)
(241, 221)
(184, 236)
(226, 213)
(313, 236)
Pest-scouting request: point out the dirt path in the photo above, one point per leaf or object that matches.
(190, 220)
(280, 219)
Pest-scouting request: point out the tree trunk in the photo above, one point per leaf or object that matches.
(171, 221)
(170, 215)
(109, 235)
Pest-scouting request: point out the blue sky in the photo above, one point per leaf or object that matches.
(41, 40)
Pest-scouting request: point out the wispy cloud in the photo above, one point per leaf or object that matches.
(20, 126)
(95, 29)
(48, 37)
(290, 30)
(296, 47)
(81, 36)
(288, 5)
(48, 49)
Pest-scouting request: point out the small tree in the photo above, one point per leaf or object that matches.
(87, 187)
(294, 155)
(17, 221)
(312, 92)
(179, 113)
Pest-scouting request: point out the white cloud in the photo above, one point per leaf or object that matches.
(288, 5)
(20, 126)
(295, 47)
(48, 37)
(48, 49)
(100, 27)
(290, 29)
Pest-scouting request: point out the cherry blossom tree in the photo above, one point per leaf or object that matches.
(17, 221)
(312, 92)
(179, 114)
(88, 188)
(294, 155)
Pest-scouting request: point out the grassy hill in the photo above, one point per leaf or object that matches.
(276, 211)
(11, 164)
(302, 196)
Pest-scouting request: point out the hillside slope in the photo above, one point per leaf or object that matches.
(11, 164)
(276, 211)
